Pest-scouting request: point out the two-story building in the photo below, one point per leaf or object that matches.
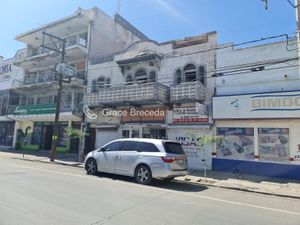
(256, 110)
(155, 90)
(86, 33)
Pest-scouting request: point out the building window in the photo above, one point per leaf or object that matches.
(129, 80)
(152, 76)
(202, 74)
(190, 73)
(101, 82)
(141, 76)
(107, 82)
(177, 77)
(94, 86)
(45, 100)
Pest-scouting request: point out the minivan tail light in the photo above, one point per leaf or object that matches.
(168, 159)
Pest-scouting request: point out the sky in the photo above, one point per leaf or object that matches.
(161, 20)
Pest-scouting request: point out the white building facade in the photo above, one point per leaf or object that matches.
(256, 110)
(8, 73)
(86, 33)
(154, 90)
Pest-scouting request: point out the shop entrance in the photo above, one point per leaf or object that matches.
(46, 137)
(42, 136)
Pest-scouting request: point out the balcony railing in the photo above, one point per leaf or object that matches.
(189, 91)
(70, 41)
(149, 93)
(80, 75)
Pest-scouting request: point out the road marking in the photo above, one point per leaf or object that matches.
(156, 188)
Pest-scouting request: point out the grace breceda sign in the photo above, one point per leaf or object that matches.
(149, 114)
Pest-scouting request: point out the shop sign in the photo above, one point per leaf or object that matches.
(5, 68)
(190, 113)
(235, 143)
(270, 105)
(35, 109)
(139, 115)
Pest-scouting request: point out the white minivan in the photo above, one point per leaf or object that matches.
(141, 158)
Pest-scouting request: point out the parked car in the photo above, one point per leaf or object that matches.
(143, 159)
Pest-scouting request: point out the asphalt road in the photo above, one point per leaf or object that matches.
(36, 193)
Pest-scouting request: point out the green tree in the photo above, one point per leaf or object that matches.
(204, 142)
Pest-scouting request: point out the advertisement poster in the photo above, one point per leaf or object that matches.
(190, 113)
(235, 143)
(273, 144)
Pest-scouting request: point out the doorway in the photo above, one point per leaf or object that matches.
(47, 132)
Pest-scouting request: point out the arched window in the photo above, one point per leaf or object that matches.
(141, 76)
(101, 82)
(129, 80)
(107, 82)
(202, 74)
(177, 78)
(190, 73)
(94, 86)
(152, 76)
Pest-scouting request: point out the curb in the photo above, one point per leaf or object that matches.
(237, 189)
(79, 165)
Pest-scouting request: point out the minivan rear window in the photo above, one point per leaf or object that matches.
(173, 147)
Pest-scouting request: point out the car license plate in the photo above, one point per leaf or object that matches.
(180, 161)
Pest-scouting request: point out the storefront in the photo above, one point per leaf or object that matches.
(259, 134)
(34, 126)
(188, 122)
(6, 133)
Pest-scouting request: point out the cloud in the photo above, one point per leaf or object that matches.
(172, 12)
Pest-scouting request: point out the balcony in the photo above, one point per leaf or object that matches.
(76, 49)
(135, 94)
(35, 84)
(189, 91)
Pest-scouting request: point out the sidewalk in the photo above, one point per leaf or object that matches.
(43, 156)
(243, 182)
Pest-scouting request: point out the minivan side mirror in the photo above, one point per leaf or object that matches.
(102, 149)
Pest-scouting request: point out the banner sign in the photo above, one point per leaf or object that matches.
(270, 105)
(138, 115)
(273, 144)
(235, 143)
(190, 113)
(35, 109)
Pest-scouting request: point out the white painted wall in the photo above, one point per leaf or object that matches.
(6, 78)
(268, 80)
(172, 59)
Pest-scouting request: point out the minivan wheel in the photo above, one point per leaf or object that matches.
(91, 166)
(143, 174)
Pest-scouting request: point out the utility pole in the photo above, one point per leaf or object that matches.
(55, 46)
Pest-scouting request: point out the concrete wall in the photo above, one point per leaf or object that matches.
(271, 79)
(107, 36)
